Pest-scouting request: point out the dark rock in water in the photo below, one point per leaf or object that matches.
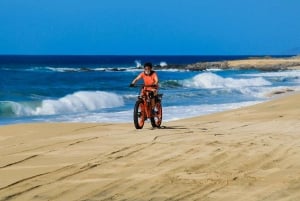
(117, 69)
(170, 66)
(84, 69)
(207, 65)
(199, 66)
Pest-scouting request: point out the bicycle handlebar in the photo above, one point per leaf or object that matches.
(143, 85)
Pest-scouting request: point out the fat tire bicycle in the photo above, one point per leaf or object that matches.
(143, 109)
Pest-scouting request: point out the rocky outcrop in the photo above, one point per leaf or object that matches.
(208, 65)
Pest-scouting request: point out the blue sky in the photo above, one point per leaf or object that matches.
(156, 27)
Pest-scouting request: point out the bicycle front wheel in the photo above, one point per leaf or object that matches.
(139, 114)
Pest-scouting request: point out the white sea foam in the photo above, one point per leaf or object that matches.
(81, 69)
(210, 80)
(61, 69)
(55, 69)
(172, 70)
(213, 69)
(169, 113)
(163, 64)
(181, 112)
(282, 76)
(138, 63)
(82, 101)
(289, 73)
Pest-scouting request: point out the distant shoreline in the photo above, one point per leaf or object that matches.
(260, 63)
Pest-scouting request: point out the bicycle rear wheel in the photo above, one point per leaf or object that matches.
(139, 114)
(157, 116)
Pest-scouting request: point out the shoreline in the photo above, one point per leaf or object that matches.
(249, 153)
(271, 95)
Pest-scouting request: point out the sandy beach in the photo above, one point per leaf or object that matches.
(290, 63)
(259, 63)
(246, 154)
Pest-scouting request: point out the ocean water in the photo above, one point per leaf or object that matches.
(95, 88)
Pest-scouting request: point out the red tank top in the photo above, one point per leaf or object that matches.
(149, 79)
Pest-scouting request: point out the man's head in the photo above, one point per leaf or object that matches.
(147, 68)
(148, 64)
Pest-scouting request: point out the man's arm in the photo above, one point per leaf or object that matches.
(136, 79)
(155, 78)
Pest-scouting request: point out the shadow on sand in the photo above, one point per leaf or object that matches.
(170, 127)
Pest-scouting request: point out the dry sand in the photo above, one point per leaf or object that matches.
(290, 63)
(259, 63)
(246, 154)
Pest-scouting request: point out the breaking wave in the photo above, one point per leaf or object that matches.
(211, 81)
(77, 102)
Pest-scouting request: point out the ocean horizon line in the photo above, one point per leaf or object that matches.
(71, 55)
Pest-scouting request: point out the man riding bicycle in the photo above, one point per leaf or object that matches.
(150, 78)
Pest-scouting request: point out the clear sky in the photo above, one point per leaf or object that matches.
(153, 27)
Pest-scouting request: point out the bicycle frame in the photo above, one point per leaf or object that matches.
(144, 96)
